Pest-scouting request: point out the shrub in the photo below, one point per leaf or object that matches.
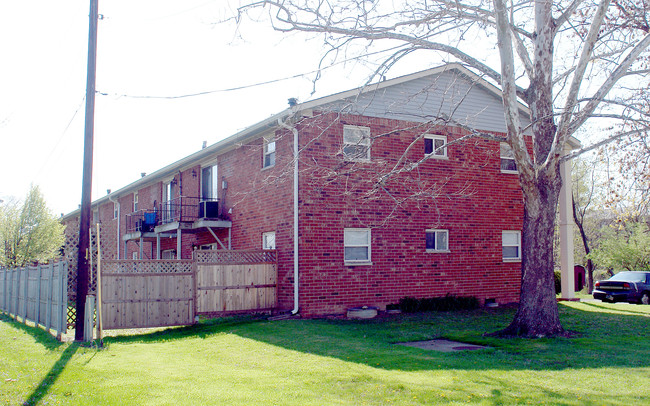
(558, 282)
(440, 304)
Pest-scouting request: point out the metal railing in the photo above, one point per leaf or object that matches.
(181, 209)
(142, 220)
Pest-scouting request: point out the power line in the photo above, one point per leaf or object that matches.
(231, 89)
(74, 115)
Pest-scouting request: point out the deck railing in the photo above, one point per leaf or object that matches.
(181, 209)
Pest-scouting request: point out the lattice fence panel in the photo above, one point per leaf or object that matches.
(70, 250)
(236, 257)
(142, 267)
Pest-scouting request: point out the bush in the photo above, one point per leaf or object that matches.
(440, 304)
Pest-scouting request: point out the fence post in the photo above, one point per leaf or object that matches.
(62, 308)
(89, 324)
(48, 301)
(26, 295)
(39, 281)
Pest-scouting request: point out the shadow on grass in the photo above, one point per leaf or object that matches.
(51, 376)
(605, 339)
(611, 307)
(41, 336)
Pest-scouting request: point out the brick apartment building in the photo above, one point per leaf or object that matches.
(394, 199)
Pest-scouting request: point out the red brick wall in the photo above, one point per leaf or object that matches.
(466, 194)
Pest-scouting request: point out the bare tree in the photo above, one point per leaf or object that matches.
(571, 62)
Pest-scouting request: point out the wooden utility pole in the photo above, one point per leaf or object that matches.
(86, 187)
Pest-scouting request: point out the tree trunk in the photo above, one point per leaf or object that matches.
(538, 314)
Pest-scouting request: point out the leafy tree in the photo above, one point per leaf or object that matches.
(571, 62)
(625, 249)
(29, 232)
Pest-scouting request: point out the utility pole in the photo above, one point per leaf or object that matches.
(86, 187)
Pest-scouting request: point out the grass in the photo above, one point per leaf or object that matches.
(322, 362)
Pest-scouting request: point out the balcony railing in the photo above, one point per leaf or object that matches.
(181, 209)
(142, 220)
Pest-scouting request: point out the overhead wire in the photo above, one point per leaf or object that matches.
(230, 89)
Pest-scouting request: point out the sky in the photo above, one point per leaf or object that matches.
(149, 52)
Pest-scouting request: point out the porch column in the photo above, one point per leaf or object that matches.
(566, 232)
(179, 244)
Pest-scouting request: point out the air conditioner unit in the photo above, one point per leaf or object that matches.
(208, 209)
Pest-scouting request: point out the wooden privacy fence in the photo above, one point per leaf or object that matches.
(38, 294)
(235, 281)
(138, 293)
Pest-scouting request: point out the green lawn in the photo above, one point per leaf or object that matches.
(334, 362)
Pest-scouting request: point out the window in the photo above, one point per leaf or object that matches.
(208, 247)
(95, 216)
(115, 210)
(435, 145)
(134, 255)
(268, 240)
(507, 159)
(269, 152)
(135, 201)
(356, 142)
(209, 182)
(437, 240)
(511, 245)
(357, 245)
(169, 254)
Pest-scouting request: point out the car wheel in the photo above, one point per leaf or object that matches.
(645, 298)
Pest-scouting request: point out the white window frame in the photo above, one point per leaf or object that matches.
(437, 232)
(348, 244)
(269, 150)
(208, 247)
(213, 187)
(115, 210)
(135, 201)
(436, 153)
(170, 254)
(268, 240)
(506, 154)
(509, 244)
(358, 138)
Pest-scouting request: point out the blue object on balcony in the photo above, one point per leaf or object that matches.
(150, 218)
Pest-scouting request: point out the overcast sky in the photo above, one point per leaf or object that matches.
(151, 48)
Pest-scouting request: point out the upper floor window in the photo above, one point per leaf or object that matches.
(268, 240)
(269, 152)
(209, 182)
(437, 240)
(508, 163)
(511, 245)
(115, 210)
(135, 201)
(356, 243)
(356, 142)
(435, 145)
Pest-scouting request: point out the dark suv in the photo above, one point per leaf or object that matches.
(633, 287)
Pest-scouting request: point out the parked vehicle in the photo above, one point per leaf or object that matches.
(633, 287)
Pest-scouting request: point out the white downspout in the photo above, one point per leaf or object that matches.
(119, 210)
(295, 211)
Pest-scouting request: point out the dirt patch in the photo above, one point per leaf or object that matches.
(443, 345)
